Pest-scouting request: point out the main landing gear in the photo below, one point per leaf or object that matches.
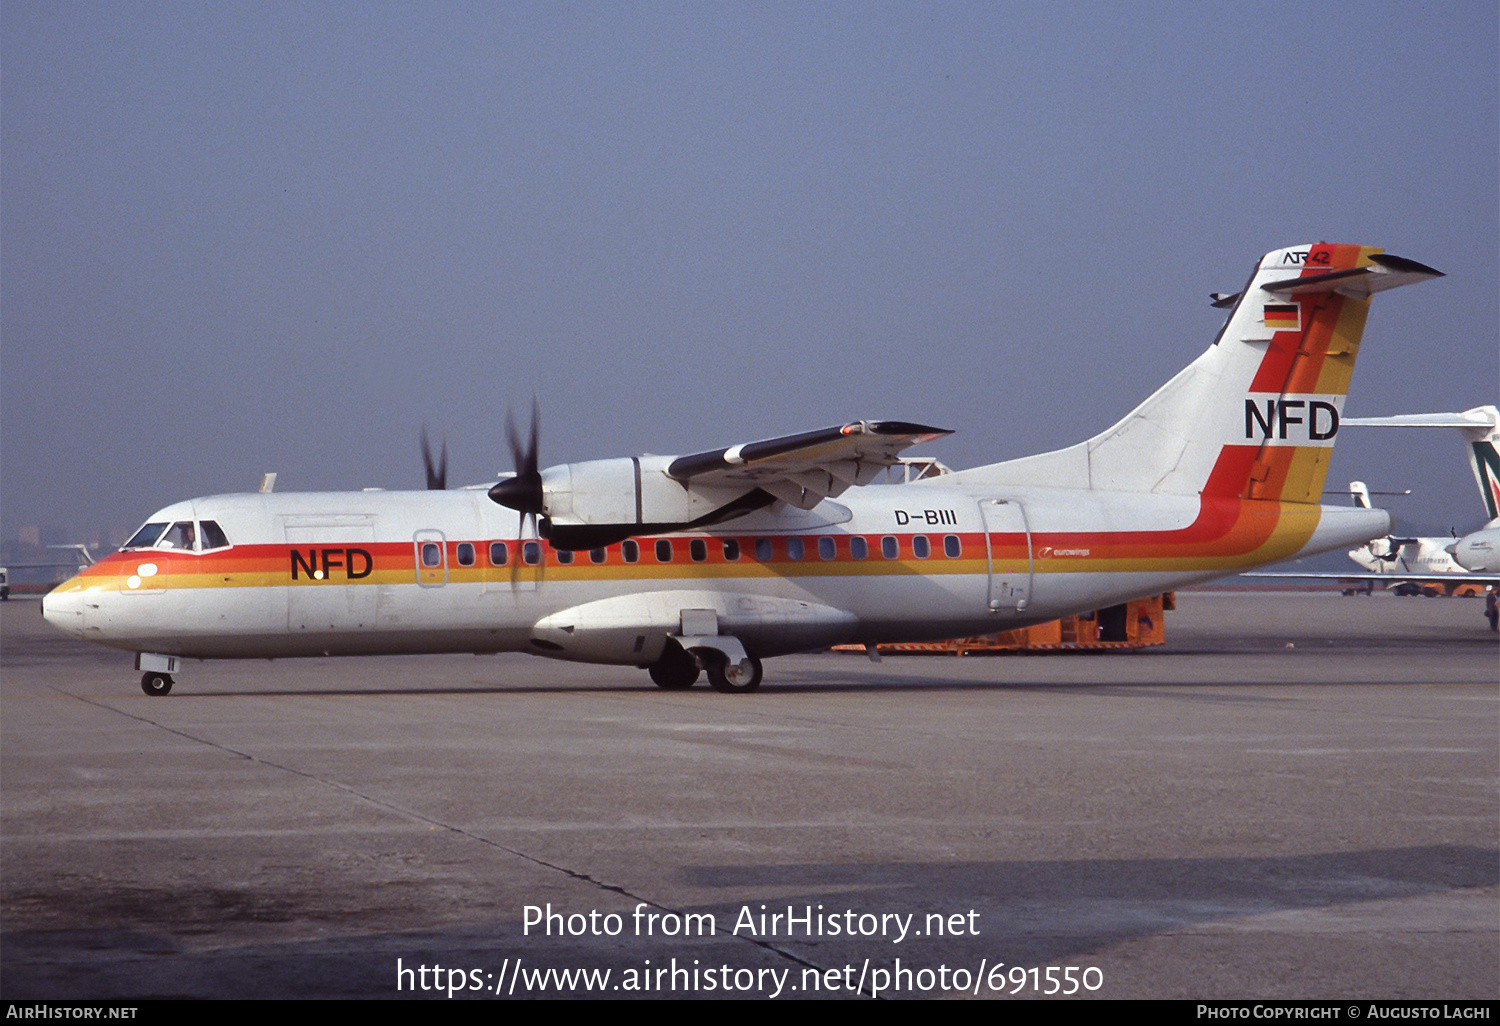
(156, 683)
(732, 678)
(675, 670)
(678, 669)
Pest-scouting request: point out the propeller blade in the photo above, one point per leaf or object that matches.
(523, 492)
(532, 468)
(437, 473)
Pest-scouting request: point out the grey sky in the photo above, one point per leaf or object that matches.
(247, 237)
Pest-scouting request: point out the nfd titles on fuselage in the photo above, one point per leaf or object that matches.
(319, 564)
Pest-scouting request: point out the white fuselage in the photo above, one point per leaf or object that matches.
(344, 573)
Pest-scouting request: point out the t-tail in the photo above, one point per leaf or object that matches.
(1256, 415)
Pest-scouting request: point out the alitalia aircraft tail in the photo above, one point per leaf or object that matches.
(1484, 458)
(1480, 428)
(1257, 414)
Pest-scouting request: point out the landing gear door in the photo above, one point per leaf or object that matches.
(1008, 542)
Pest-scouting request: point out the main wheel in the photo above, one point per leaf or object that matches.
(156, 683)
(734, 678)
(675, 670)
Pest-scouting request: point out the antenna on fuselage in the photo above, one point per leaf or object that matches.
(268, 483)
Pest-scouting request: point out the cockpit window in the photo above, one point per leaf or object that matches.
(146, 536)
(179, 536)
(213, 537)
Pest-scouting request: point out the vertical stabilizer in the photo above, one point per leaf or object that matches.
(1256, 415)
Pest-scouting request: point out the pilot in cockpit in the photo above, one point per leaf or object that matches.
(181, 536)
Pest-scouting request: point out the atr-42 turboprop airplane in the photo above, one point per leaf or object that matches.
(717, 560)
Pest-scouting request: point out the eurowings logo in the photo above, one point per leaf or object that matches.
(1049, 552)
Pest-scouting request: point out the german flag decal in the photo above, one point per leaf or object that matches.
(1280, 315)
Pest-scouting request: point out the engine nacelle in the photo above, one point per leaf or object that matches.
(603, 501)
(1479, 552)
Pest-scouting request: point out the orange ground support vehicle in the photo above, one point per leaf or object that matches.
(1137, 624)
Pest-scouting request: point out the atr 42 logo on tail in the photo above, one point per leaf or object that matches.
(1307, 258)
(1292, 420)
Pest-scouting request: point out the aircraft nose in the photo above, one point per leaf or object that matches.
(63, 609)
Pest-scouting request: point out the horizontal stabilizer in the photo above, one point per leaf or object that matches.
(1382, 273)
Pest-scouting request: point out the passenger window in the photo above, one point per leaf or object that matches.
(499, 554)
(465, 554)
(564, 556)
(889, 547)
(663, 551)
(212, 536)
(731, 550)
(951, 547)
(921, 546)
(531, 553)
(146, 536)
(596, 555)
(763, 549)
(794, 548)
(179, 536)
(858, 547)
(826, 547)
(631, 550)
(698, 549)
(432, 554)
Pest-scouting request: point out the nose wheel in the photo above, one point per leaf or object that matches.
(155, 683)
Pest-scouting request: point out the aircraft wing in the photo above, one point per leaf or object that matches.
(806, 468)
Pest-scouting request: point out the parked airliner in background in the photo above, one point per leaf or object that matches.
(1478, 551)
(716, 560)
(1397, 560)
(1411, 562)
